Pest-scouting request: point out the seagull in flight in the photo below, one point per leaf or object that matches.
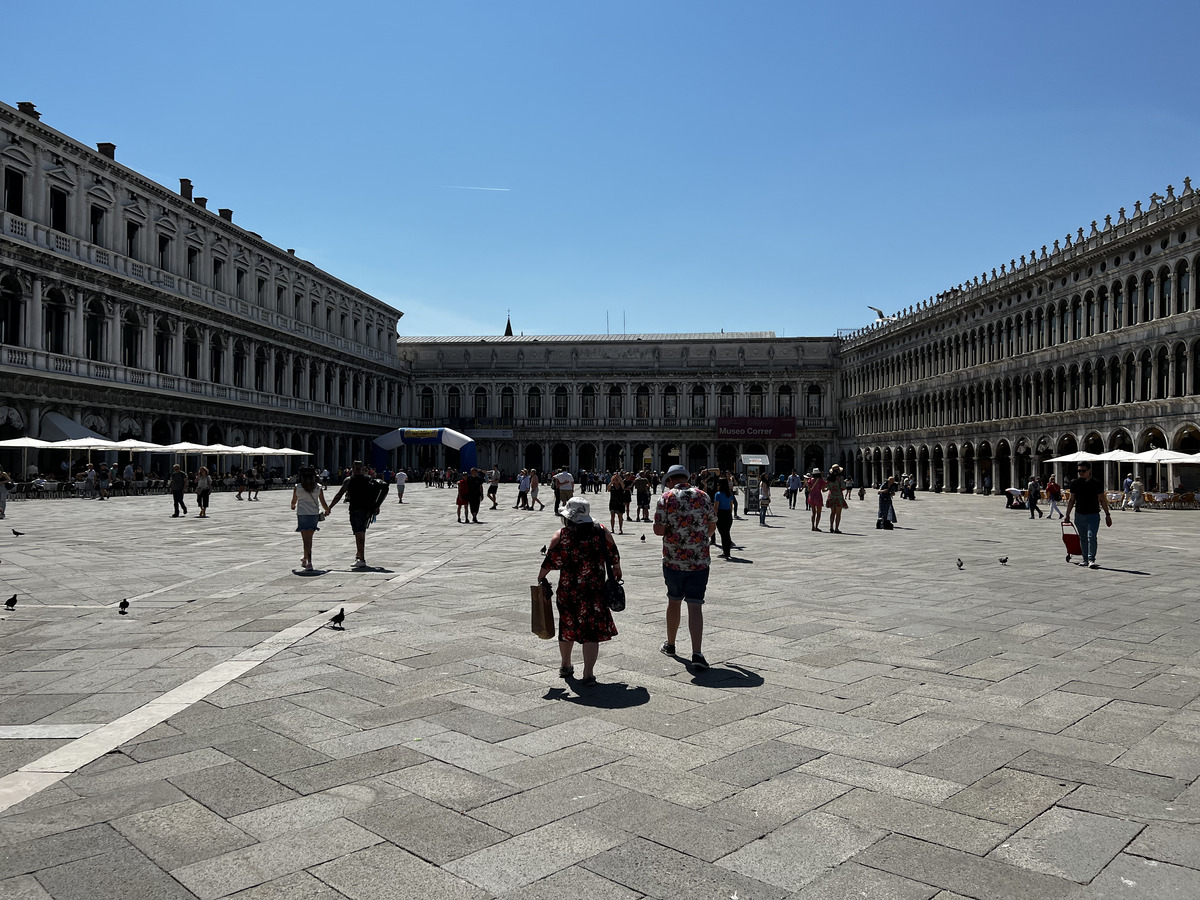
(880, 316)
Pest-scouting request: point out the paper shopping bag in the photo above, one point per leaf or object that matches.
(541, 614)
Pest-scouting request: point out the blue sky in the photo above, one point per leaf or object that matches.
(667, 166)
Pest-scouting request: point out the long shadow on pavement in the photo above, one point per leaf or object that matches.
(615, 695)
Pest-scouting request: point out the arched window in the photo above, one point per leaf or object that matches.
(297, 376)
(216, 360)
(1183, 281)
(162, 347)
(427, 403)
(642, 403)
(481, 403)
(280, 376)
(1102, 306)
(814, 410)
(784, 403)
(587, 402)
(93, 330)
(670, 402)
(191, 354)
(12, 309)
(726, 400)
(561, 402)
(615, 404)
(508, 404)
(755, 398)
(1164, 293)
(699, 403)
(239, 368)
(454, 403)
(1147, 297)
(533, 404)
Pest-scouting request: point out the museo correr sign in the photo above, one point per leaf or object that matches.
(768, 428)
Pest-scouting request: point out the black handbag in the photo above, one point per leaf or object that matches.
(614, 590)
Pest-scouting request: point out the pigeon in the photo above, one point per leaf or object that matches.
(122, 607)
(960, 564)
(643, 539)
(543, 549)
(18, 533)
(1004, 560)
(338, 618)
(11, 602)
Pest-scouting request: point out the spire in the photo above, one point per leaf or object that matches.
(508, 327)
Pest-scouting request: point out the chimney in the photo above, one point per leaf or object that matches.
(107, 149)
(202, 202)
(226, 214)
(28, 109)
(185, 188)
(291, 251)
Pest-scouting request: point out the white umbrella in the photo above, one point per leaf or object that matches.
(133, 445)
(25, 444)
(85, 444)
(1118, 456)
(184, 447)
(1077, 456)
(1160, 455)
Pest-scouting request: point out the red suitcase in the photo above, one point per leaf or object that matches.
(1070, 536)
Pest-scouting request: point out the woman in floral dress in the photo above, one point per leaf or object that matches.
(578, 550)
(836, 500)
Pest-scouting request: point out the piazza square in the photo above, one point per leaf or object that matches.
(876, 721)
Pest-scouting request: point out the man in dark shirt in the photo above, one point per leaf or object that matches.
(178, 486)
(1087, 498)
(363, 497)
(474, 493)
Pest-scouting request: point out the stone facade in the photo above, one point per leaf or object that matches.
(595, 402)
(137, 312)
(1092, 345)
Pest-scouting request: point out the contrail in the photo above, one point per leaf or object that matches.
(467, 187)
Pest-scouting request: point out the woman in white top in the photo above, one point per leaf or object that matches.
(203, 490)
(308, 500)
(764, 497)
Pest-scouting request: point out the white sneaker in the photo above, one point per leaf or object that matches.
(359, 564)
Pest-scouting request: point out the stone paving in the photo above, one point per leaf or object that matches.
(876, 723)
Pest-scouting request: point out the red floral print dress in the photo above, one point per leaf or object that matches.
(582, 613)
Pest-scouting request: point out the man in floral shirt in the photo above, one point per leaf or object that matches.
(686, 521)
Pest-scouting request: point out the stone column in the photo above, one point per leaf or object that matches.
(204, 363)
(76, 327)
(146, 337)
(269, 377)
(177, 349)
(33, 338)
(962, 472)
(227, 361)
(114, 336)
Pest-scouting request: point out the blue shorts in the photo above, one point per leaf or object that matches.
(360, 520)
(307, 523)
(686, 584)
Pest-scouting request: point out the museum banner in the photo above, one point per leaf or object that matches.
(780, 429)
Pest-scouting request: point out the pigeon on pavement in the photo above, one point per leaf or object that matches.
(17, 533)
(543, 549)
(960, 564)
(338, 618)
(11, 602)
(122, 607)
(643, 539)
(1004, 560)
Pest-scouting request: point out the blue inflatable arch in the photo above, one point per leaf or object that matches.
(447, 437)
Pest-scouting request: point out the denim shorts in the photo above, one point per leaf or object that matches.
(307, 523)
(360, 520)
(686, 584)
